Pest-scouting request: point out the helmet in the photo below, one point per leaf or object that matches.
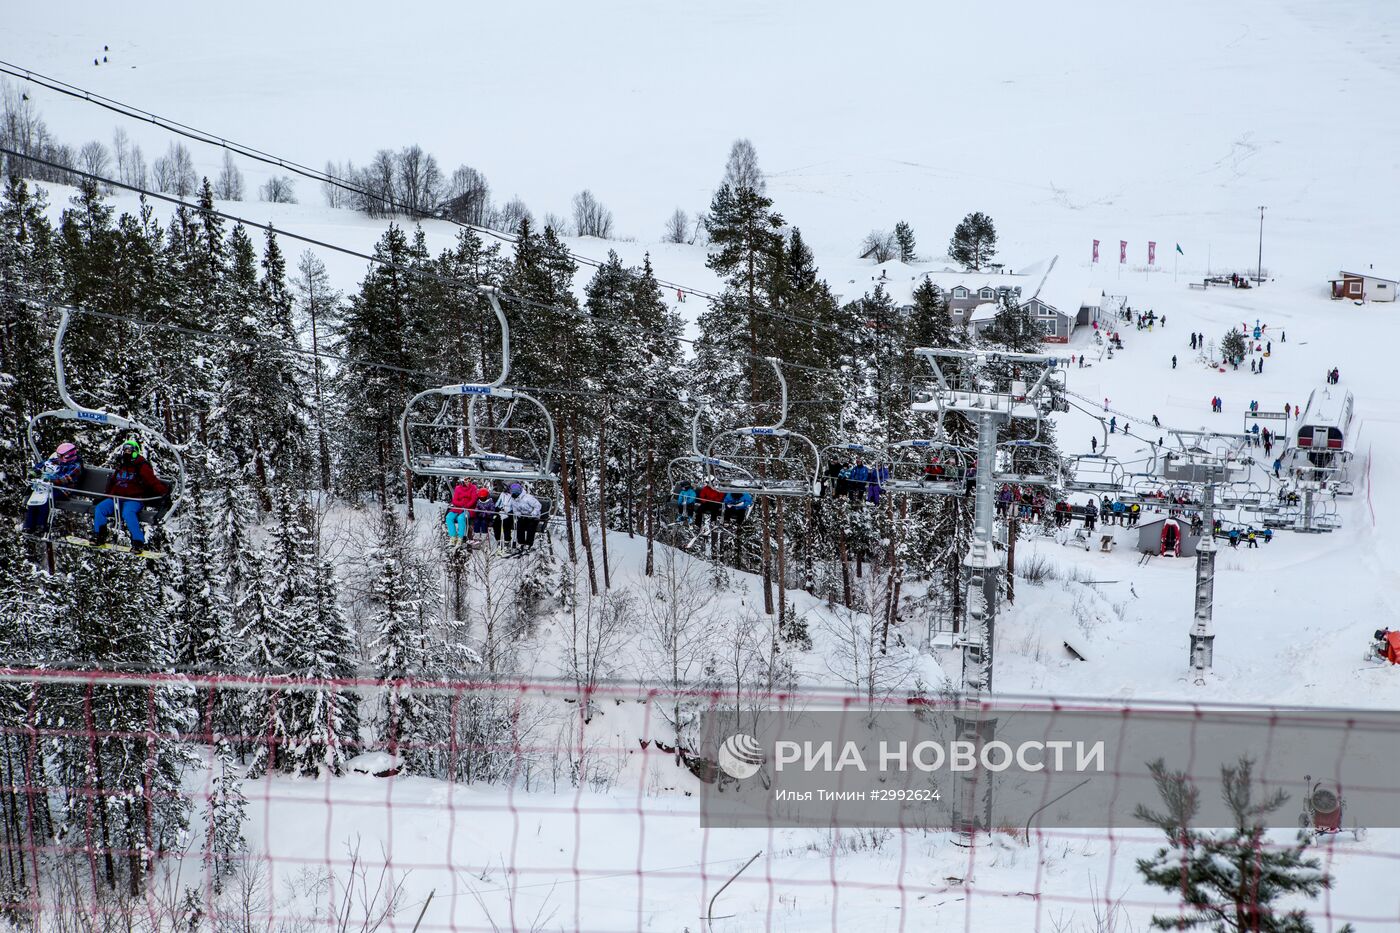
(515, 489)
(131, 447)
(66, 453)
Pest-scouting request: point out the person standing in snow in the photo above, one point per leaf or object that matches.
(1173, 361)
(1091, 514)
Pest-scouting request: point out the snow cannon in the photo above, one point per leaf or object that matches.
(1326, 809)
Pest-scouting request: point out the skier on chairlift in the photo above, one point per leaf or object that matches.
(63, 469)
(685, 503)
(131, 482)
(458, 517)
(708, 502)
(736, 508)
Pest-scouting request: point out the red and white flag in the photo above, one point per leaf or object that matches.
(1122, 250)
(1096, 251)
(1152, 252)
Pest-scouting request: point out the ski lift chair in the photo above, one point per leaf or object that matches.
(927, 467)
(1094, 473)
(1028, 463)
(82, 497)
(492, 452)
(833, 457)
(766, 460)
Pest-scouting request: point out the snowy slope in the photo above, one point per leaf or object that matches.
(1102, 120)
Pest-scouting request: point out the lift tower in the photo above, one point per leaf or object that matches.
(990, 389)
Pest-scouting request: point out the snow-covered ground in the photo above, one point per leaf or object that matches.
(1066, 124)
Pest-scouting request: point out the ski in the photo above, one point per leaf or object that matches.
(110, 546)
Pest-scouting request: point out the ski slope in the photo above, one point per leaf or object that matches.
(1096, 120)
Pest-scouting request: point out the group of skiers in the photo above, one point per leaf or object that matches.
(479, 509)
(707, 504)
(131, 486)
(1249, 535)
(858, 481)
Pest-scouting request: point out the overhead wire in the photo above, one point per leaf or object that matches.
(299, 350)
(203, 136)
(367, 257)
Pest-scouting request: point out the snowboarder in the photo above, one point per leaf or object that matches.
(1093, 444)
(458, 518)
(1113, 425)
(685, 504)
(62, 470)
(1278, 465)
(131, 484)
(1091, 514)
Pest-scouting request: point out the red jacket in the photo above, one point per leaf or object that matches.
(134, 479)
(711, 494)
(464, 497)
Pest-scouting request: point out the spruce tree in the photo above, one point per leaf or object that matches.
(381, 325)
(904, 240)
(1231, 880)
(974, 241)
(410, 723)
(28, 268)
(226, 810)
(746, 250)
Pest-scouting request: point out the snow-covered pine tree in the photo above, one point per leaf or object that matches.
(122, 779)
(28, 268)
(746, 250)
(411, 724)
(201, 616)
(904, 241)
(226, 810)
(635, 338)
(381, 324)
(29, 613)
(974, 241)
(1230, 881)
(318, 309)
(312, 721)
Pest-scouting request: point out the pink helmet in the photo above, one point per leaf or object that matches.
(66, 453)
